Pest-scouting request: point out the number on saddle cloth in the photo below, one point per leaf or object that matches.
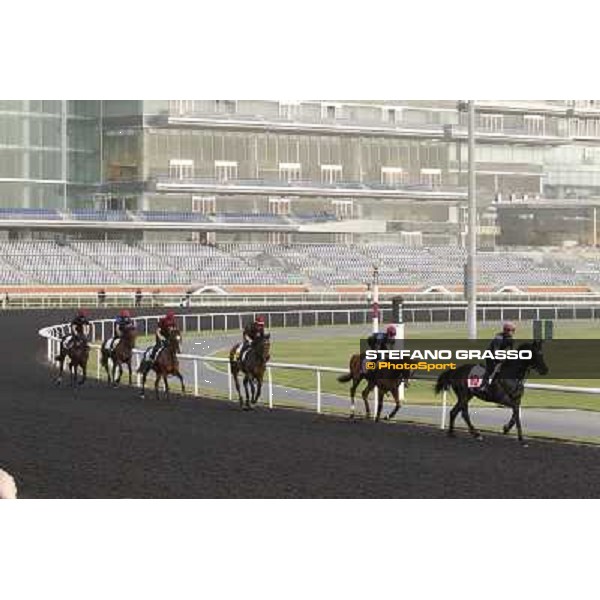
(475, 377)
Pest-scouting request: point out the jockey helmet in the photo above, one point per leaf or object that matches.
(124, 313)
(170, 314)
(82, 313)
(391, 331)
(508, 327)
(260, 321)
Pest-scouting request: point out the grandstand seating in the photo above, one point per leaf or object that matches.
(161, 215)
(88, 214)
(324, 265)
(29, 213)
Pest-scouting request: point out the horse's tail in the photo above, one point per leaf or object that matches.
(345, 378)
(444, 381)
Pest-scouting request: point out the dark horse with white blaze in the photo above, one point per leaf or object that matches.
(506, 389)
(385, 382)
(120, 354)
(253, 364)
(78, 354)
(164, 365)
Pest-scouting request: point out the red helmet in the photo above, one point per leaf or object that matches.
(82, 313)
(260, 321)
(170, 314)
(391, 331)
(124, 313)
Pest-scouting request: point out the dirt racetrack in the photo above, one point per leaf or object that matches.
(105, 443)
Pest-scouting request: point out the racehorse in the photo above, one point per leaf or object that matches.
(253, 364)
(384, 382)
(78, 355)
(120, 354)
(507, 388)
(164, 364)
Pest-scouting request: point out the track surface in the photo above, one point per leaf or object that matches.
(101, 443)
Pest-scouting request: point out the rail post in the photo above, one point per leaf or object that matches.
(195, 377)
(270, 381)
(318, 391)
(98, 362)
(229, 382)
(444, 409)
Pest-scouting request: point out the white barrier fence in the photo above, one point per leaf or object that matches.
(54, 333)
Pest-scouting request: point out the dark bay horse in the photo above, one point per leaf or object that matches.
(78, 354)
(253, 364)
(164, 365)
(506, 389)
(384, 382)
(120, 354)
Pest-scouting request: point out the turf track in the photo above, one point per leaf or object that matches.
(101, 443)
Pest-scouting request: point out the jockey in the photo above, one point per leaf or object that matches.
(79, 329)
(122, 323)
(382, 341)
(503, 340)
(252, 331)
(163, 330)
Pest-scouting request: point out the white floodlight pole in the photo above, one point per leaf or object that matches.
(375, 307)
(472, 233)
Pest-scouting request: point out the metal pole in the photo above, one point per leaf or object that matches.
(229, 382)
(595, 229)
(375, 327)
(270, 380)
(444, 408)
(318, 391)
(472, 233)
(195, 375)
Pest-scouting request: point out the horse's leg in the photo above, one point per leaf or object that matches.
(116, 366)
(454, 413)
(106, 367)
(511, 422)
(156, 384)
(365, 396)
(517, 418)
(235, 372)
(252, 390)
(144, 375)
(352, 401)
(165, 377)
(180, 377)
(247, 403)
(84, 373)
(258, 390)
(467, 418)
(129, 369)
(61, 367)
(396, 397)
(380, 403)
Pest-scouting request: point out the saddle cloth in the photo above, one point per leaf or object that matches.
(475, 377)
(108, 344)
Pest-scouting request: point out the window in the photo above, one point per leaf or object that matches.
(343, 209)
(391, 115)
(289, 109)
(279, 206)
(289, 171)
(181, 168)
(181, 107)
(431, 177)
(225, 106)
(331, 111)
(279, 238)
(205, 205)
(225, 170)
(491, 122)
(535, 124)
(392, 176)
(331, 173)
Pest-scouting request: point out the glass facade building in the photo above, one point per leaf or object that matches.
(400, 161)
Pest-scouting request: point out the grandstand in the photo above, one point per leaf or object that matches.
(312, 266)
(300, 195)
